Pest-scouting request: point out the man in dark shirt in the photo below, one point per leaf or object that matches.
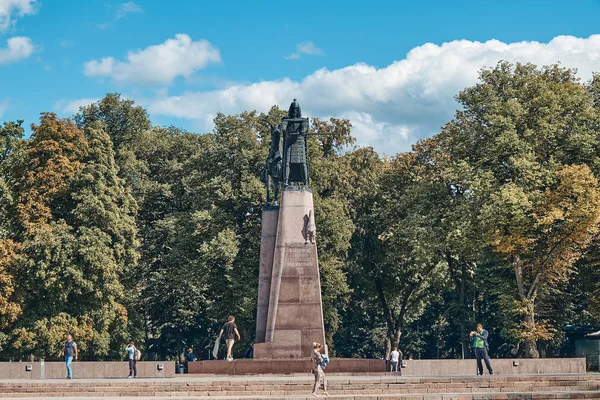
(69, 350)
(229, 329)
(190, 357)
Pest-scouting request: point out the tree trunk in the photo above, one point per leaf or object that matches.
(394, 323)
(461, 299)
(528, 299)
(531, 350)
(396, 339)
(392, 341)
(460, 288)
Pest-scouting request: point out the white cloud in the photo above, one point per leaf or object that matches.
(3, 107)
(158, 64)
(12, 8)
(72, 106)
(390, 107)
(122, 11)
(128, 8)
(18, 48)
(305, 48)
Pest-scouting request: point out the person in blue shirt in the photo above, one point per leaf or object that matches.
(189, 357)
(70, 351)
(132, 361)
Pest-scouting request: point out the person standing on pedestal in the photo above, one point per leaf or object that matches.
(229, 329)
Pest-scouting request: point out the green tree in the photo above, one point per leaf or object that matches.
(521, 146)
(77, 237)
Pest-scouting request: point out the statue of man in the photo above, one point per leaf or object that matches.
(295, 148)
(273, 167)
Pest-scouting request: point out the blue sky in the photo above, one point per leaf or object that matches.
(392, 67)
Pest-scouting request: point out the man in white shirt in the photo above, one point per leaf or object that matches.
(395, 356)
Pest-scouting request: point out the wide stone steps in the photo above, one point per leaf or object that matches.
(300, 387)
(447, 396)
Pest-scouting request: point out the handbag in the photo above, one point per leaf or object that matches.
(215, 350)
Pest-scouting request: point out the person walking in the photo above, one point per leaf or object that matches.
(481, 346)
(131, 357)
(229, 329)
(69, 350)
(395, 359)
(317, 369)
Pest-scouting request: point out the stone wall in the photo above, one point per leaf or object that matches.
(148, 369)
(500, 366)
(85, 369)
(413, 367)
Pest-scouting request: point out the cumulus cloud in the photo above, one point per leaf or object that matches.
(391, 107)
(305, 48)
(72, 106)
(18, 48)
(122, 11)
(12, 8)
(3, 107)
(128, 8)
(158, 64)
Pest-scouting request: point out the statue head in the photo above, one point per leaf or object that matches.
(295, 111)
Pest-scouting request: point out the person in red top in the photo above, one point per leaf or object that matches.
(229, 329)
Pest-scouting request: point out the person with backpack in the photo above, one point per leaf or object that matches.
(70, 351)
(229, 329)
(133, 355)
(480, 347)
(319, 362)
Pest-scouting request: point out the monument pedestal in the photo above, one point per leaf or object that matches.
(268, 235)
(290, 313)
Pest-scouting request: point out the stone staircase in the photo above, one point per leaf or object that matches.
(300, 387)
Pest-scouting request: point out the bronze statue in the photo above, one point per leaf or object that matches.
(291, 167)
(271, 174)
(295, 150)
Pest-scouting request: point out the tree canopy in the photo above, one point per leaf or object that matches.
(113, 229)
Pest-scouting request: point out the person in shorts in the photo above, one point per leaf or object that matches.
(230, 331)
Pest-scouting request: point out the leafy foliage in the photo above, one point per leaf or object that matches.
(114, 230)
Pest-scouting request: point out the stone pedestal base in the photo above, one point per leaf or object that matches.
(283, 366)
(268, 235)
(294, 308)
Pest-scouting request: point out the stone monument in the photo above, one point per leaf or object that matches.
(289, 309)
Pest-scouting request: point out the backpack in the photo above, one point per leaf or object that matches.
(137, 355)
(325, 361)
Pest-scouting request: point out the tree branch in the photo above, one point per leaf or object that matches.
(519, 275)
(388, 314)
(549, 254)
